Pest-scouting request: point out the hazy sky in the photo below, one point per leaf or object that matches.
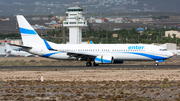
(11, 7)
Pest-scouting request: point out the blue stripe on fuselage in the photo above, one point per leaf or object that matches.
(27, 31)
(49, 54)
(154, 57)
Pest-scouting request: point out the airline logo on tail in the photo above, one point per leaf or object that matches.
(27, 31)
(5, 50)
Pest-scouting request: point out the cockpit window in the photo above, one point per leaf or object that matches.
(163, 49)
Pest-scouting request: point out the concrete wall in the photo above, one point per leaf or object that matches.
(170, 47)
(177, 33)
(14, 41)
(17, 42)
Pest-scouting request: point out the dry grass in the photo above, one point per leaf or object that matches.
(90, 90)
(96, 84)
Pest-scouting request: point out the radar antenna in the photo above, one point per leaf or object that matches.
(76, 2)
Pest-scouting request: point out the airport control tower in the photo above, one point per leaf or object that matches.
(75, 21)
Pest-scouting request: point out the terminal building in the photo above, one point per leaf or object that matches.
(75, 21)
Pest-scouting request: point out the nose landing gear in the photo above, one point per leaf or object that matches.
(156, 64)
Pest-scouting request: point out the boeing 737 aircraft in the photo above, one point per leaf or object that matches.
(10, 51)
(98, 53)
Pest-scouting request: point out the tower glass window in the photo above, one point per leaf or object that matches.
(74, 10)
(72, 22)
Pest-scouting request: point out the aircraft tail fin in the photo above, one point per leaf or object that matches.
(90, 42)
(8, 47)
(29, 36)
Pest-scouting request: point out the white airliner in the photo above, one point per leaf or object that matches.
(98, 53)
(10, 51)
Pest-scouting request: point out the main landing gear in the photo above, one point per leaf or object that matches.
(90, 64)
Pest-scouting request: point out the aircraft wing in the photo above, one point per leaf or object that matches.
(81, 56)
(27, 55)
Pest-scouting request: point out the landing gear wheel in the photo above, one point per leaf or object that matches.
(88, 64)
(156, 64)
(94, 64)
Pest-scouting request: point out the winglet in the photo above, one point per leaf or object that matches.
(88, 42)
(91, 42)
(48, 46)
(7, 46)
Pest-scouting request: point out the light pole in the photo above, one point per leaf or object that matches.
(92, 33)
(41, 30)
(106, 36)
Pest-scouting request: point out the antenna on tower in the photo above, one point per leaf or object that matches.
(76, 2)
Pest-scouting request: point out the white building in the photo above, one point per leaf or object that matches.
(98, 21)
(170, 47)
(52, 23)
(36, 18)
(111, 20)
(119, 20)
(45, 18)
(36, 26)
(75, 21)
(177, 33)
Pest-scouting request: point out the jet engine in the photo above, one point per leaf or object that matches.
(104, 59)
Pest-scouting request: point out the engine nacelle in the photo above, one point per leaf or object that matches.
(104, 59)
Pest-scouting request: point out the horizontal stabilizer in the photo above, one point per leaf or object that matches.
(27, 47)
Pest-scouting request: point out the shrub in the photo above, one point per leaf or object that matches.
(165, 79)
(32, 61)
